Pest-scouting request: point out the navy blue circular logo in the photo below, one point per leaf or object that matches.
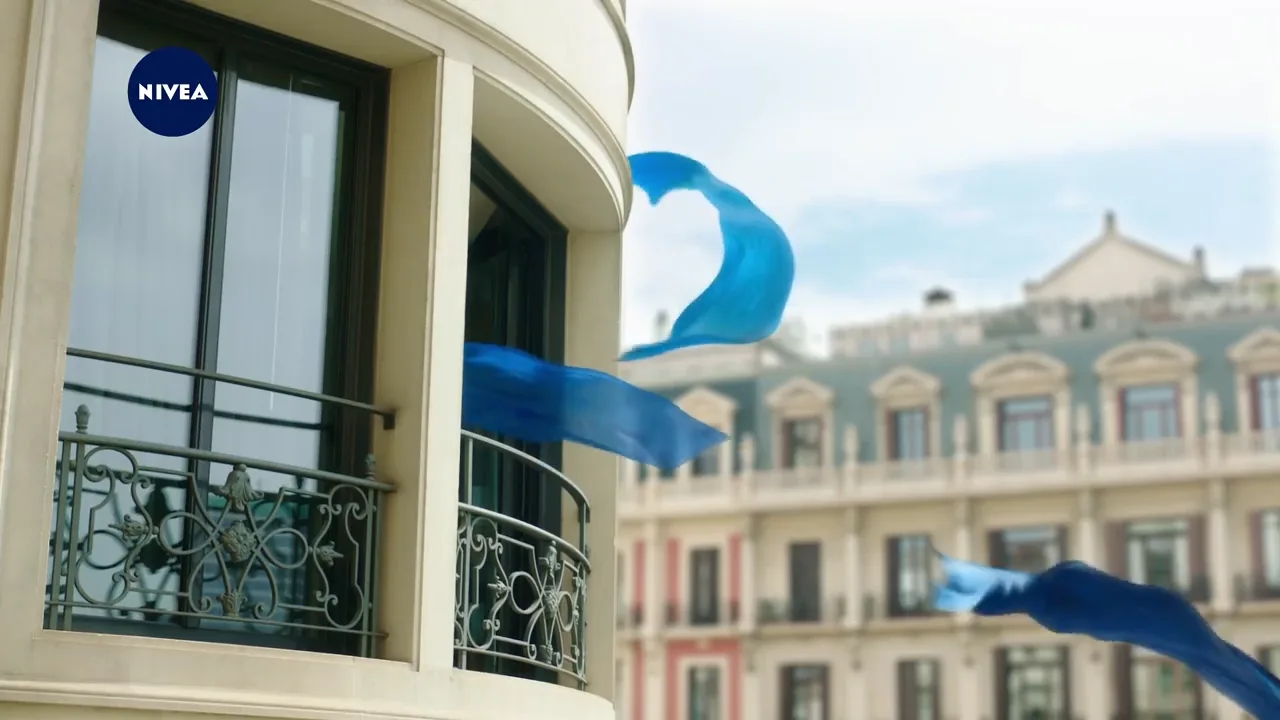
(173, 91)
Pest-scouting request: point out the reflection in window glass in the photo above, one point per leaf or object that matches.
(1026, 424)
(1159, 554)
(703, 691)
(1150, 413)
(138, 268)
(803, 443)
(1035, 682)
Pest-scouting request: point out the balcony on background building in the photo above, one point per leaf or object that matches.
(692, 617)
(962, 474)
(790, 614)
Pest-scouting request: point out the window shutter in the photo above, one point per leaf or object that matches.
(935, 697)
(925, 435)
(788, 446)
(1000, 674)
(826, 692)
(1064, 544)
(891, 435)
(1117, 552)
(893, 564)
(995, 549)
(787, 697)
(1122, 679)
(1065, 654)
(1177, 410)
(907, 695)
(1196, 558)
(1122, 433)
(1259, 559)
(1255, 403)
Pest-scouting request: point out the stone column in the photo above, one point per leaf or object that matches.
(973, 692)
(963, 549)
(1220, 548)
(960, 455)
(655, 556)
(849, 478)
(1084, 440)
(655, 686)
(747, 459)
(852, 569)
(750, 536)
(750, 698)
(1087, 529)
(1212, 430)
(859, 705)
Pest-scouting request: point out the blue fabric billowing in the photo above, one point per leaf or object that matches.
(745, 301)
(510, 392)
(1074, 598)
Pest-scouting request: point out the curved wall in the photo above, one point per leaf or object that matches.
(547, 93)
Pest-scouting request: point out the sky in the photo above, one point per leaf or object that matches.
(906, 144)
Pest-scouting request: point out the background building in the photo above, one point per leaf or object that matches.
(233, 478)
(786, 574)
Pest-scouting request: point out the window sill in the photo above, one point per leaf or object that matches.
(144, 674)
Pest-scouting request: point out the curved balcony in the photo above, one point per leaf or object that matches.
(521, 589)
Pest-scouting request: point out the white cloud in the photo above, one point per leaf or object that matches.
(797, 100)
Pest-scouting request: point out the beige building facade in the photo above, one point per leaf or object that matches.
(233, 479)
(786, 575)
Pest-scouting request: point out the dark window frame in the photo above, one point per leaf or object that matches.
(695, 676)
(704, 610)
(998, 545)
(1006, 668)
(354, 265)
(1264, 402)
(1009, 418)
(903, 421)
(804, 609)
(910, 691)
(909, 550)
(1170, 413)
(793, 443)
(790, 681)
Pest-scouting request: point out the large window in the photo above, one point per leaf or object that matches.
(1149, 412)
(703, 693)
(245, 249)
(1026, 424)
(704, 585)
(805, 692)
(804, 567)
(707, 463)
(919, 690)
(910, 580)
(1032, 683)
(1169, 554)
(802, 443)
(1266, 553)
(1266, 402)
(1159, 687)
(909, 434)
(1030, 549)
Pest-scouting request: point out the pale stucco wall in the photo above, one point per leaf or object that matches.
(547, 92)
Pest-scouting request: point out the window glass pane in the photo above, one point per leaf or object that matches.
(275, 313)
(137, 279)
(1026, 424)
(1150, 412)
(1268, 389)
(910, 439)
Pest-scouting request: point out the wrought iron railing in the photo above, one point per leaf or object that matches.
(521, 589)
(154, 539)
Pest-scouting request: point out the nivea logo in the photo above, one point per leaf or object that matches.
(173, 91)
(169, 92)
